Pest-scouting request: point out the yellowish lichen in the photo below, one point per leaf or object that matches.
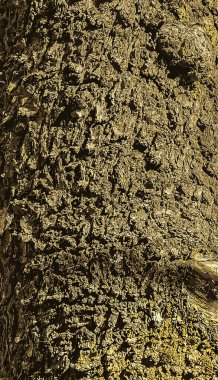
(211, 31)
(11, 87)
(184, 12)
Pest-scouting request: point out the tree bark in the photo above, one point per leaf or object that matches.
(108, 181)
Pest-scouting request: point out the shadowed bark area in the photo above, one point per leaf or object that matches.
(108, 189)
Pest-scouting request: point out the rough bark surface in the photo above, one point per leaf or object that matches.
(108, 175)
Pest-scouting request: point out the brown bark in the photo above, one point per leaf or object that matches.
(108, 204)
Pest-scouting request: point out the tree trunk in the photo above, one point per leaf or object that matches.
(108, 204)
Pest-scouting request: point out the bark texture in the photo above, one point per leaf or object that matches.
(108, 181)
